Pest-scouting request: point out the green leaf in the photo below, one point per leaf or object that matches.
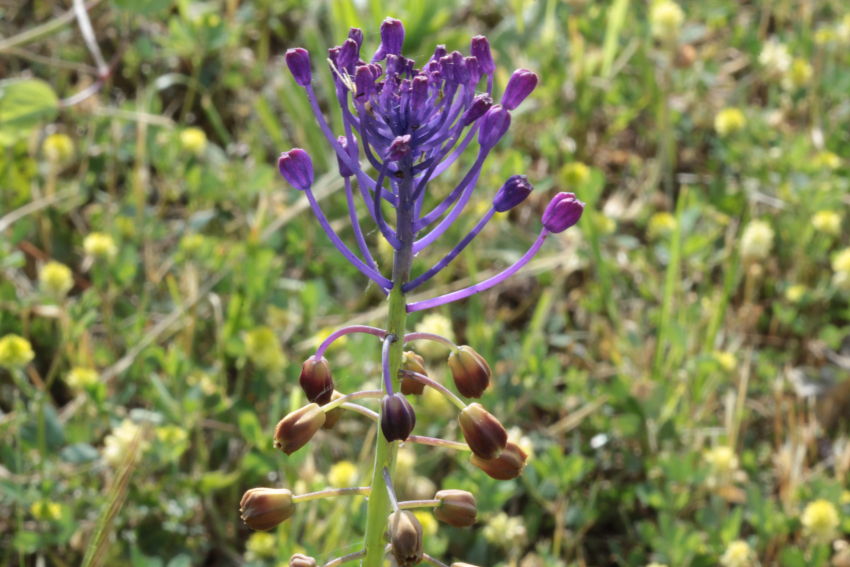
(143, 7)
(216, 480)
(23, 106)
(181, 560)
(792, 557)
(78, 453)
(27, 542)
(251, 429)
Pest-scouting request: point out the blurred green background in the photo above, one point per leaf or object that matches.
(676, 364)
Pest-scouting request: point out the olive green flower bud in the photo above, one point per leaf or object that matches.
(297, 428)
(415, 363)
(507, 466)
(406, 537)
(457, 508)
(264, 508)
(470, 372)
(397, 417)
(301, 560)
(331, 417)
(483, 433)
(316, 380)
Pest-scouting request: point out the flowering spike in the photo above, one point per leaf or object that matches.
(264, 508)
(563, 212)
(520, 85)
(298, 61)
(392, 36)
(344, 170)
(515, 190)
(457, 508)
(397, 417)
(470, 372)
(507, 466)
(483, 433)
(481, 51)
(297, 168)
(296, 429)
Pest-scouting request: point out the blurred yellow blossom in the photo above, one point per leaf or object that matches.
(827, 221)
(81, 378)
(725, 359)
(845, 498)
(841, 262)
(795, 292)
(55, 279)
(193, 140)
(436, 403)
(45, 510)
(438, 325)
(661, 224)
(99, 245)
(825, 35)
(574, 174)
(324, 333)
(666, 18)
(827, 159)
(191, 243)
(171, 434)
(15, 351)
(728, 121)
(738, 554)
(260, 545)
(118, 443)
(798, 75)
(505, 530)
(343, 474)
(604, 224)
(820, 521)
(774, 57)
(58, 148)
(428, 521)
(757, 241)
(405, 461)
(263, 348)
(722, 459)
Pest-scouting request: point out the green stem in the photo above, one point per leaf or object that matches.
(332, 493)
(409, 504)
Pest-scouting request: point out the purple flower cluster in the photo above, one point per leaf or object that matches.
(412, 125)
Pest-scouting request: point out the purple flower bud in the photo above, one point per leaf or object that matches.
(316, 380)
(399, 148)
(483, 433)
(364, 81)
(448, 69)
(296, 429)
(470, 372)
(461, 72)
(348, 53)
(298, 61)
(520, 85)
(397, 417)
(474, 70)
(495, 123)
(481, 51)
(439, 53)
(480, 105)
(296, 168)
(515, 190)
(392, 36)
(357, 35)
(507, 466)
(563, 212)
(419, 91)
(344, 170)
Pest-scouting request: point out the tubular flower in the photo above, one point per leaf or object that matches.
(457, 508)
(264, 508)
(483, 433)
(406, 538)
(297, 428)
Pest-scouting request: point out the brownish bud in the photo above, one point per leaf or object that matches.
(459, 564)
(414, 363)
(470, 372)
(301, 560)
(397, 417)
(297, 428)
(457, 508)
(507, 466)
(316, 380)
(406, 537)
(331, 417)
(483, 433)
(264, 508)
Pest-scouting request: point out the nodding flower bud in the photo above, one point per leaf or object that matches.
(495, 123)
(520, 85)
(562, 212)
(392, 36)
(397, 417)
(483, 433)
(399, 148)
(348, 53)
(334, 415)
(480, 104)
(481, 51)
(298, 61)
(364, 81)
(357, 35)
(297, 168)
(470, 372)
(507, 466)
(301, 560)
(344, 170)
(406, 538)
(297, 428)
(316, 380)
(439, 52)
(415, 363)
(515, 190)
(264, 508)
(457, 508)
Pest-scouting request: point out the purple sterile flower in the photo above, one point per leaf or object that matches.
(480, 105)
(439, 52)
(349, 53)
(298, 61)
(495, 123)
(392, 36)
(357, 35)
(563, 212)
(520, 85)
(364, 81)
(481, 51)
(448, 69)
(344, 170)
(399, 148)
(515, 190)
(460, 68)
(297, 168)
(473, 70)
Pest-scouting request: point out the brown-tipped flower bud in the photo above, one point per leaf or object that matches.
(406, 538)
(414, 363)
(264, 508)
(483, 433)
(316, 380)
(297, 428)
(507, 466)
(397, 417)
(301, 560)
(457, 508)
(331, 417)
(470, 372)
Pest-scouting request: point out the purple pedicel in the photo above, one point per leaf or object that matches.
(344, 170)
(297, 168)
(520, 85)
(563, 212)
(298, 61)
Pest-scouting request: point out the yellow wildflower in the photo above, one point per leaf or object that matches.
(99, 245)
(193, 140)
(729, 121)
(55, 279)
(343, 475)
(666, 18)
(820, 521)
(827, 221)
(58, 148)
(15, 351)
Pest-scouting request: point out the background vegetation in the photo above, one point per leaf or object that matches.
(677, 363)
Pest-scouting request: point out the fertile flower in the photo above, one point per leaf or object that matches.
(729, 121)
(354, 151)
(193, 140)
(297, 428)
(264, 508)
(55, 279)
(820, 521)
(483, 433)
(507, 466)
(406, 538)
(515, 190)
(414, 363)
(666, 18)
(99, 245)
(738, 554)
(15, 351)
(397, 417)
(563, 212)
(470, 372)
(399, 148)
(520, 85)
(828, 222)
(457, 508)
(757, 240)
(297, 168)
(316, 380)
